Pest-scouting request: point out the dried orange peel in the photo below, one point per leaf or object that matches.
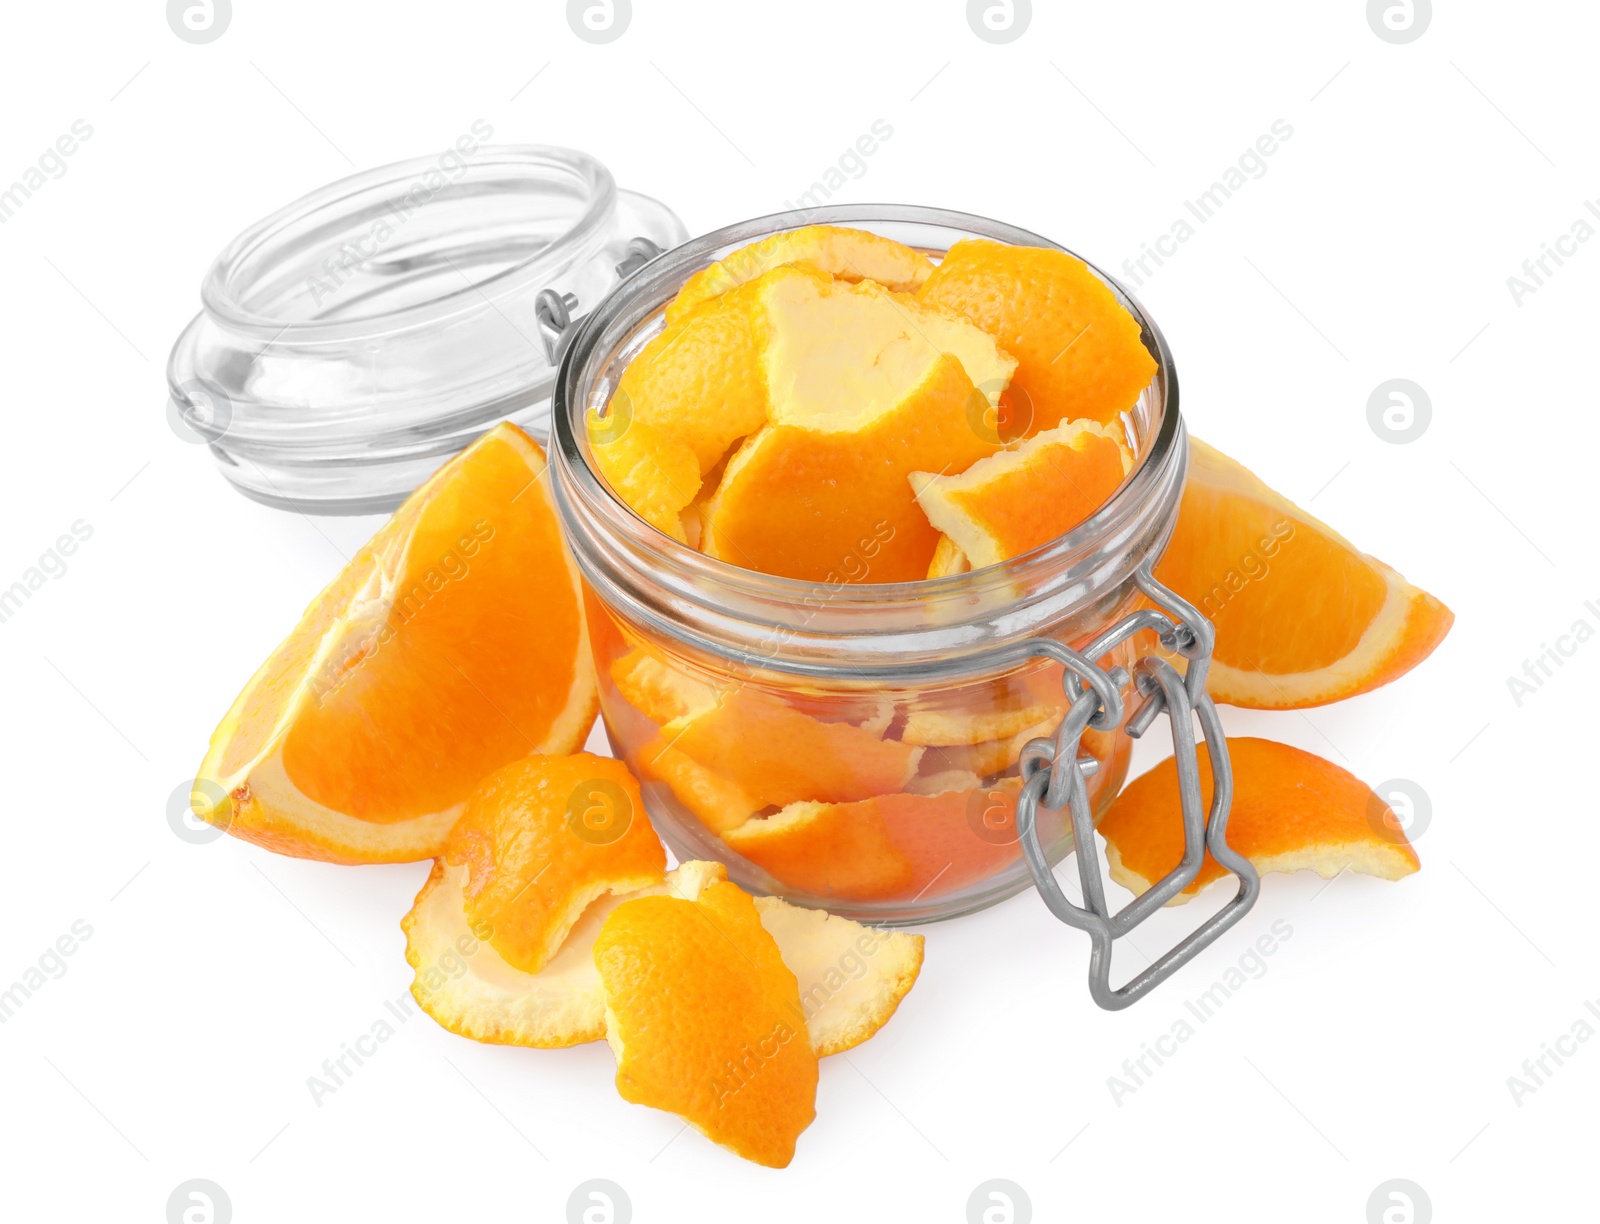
(1013, 502)
(1302, 616)
(849, 254)
(1078, 350)
(705, 1020)
(542, 839)
(413, 674)
(1292, 811)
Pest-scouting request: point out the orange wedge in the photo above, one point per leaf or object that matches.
(705, 1020)
(657, 475)
(851, 977)
(414, 673)
(892, 846)
(1292, 811)
(849, 254)
(1078, 351)
(1019, 500)
(543, 838)
(1302, 617)
(866, 387)
(780, 756)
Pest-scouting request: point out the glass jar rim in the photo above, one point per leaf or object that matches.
(674, 588)
(264, 248)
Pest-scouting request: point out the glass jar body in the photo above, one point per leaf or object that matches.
(849, 746)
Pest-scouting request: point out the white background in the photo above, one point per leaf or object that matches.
(1377, 245)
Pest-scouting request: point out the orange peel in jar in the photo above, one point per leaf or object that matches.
(718, 803)
(656, 474)
(1302, 616)
(1292, 811)
(890, 846)
(782, 756)
(542, 839)
(867, 387)
(413, 674)
(705, 1020)
(1079, 352)
(1013, 502)
(849, 254)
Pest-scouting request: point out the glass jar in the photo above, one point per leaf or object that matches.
(354, 340)
(874, 733)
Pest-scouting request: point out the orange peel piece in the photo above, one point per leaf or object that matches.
(705, 1020)
(701, 380)
(470, 989)
(1302, 616)
(1292, 811)
(718, 803)
(542, 839)
(1018, 500)
(867, 387)
(658, 690)
(851, 977)
(1078, 350)
(782, 756)
(889, 846)
(413, 674)
(653, 472)
(849, 254)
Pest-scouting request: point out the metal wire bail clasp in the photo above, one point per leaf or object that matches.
(1053, 773)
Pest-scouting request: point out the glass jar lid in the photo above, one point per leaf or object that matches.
(353, 341)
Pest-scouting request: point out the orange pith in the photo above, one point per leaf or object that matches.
(706, 1022)
(1291, 811)
(849, 254)
(544, 837)
(1018, 500)
(1078, 351)
(414, 673)
(1302, 616)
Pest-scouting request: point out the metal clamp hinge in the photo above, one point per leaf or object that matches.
(1096, 701)
(554, 310)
